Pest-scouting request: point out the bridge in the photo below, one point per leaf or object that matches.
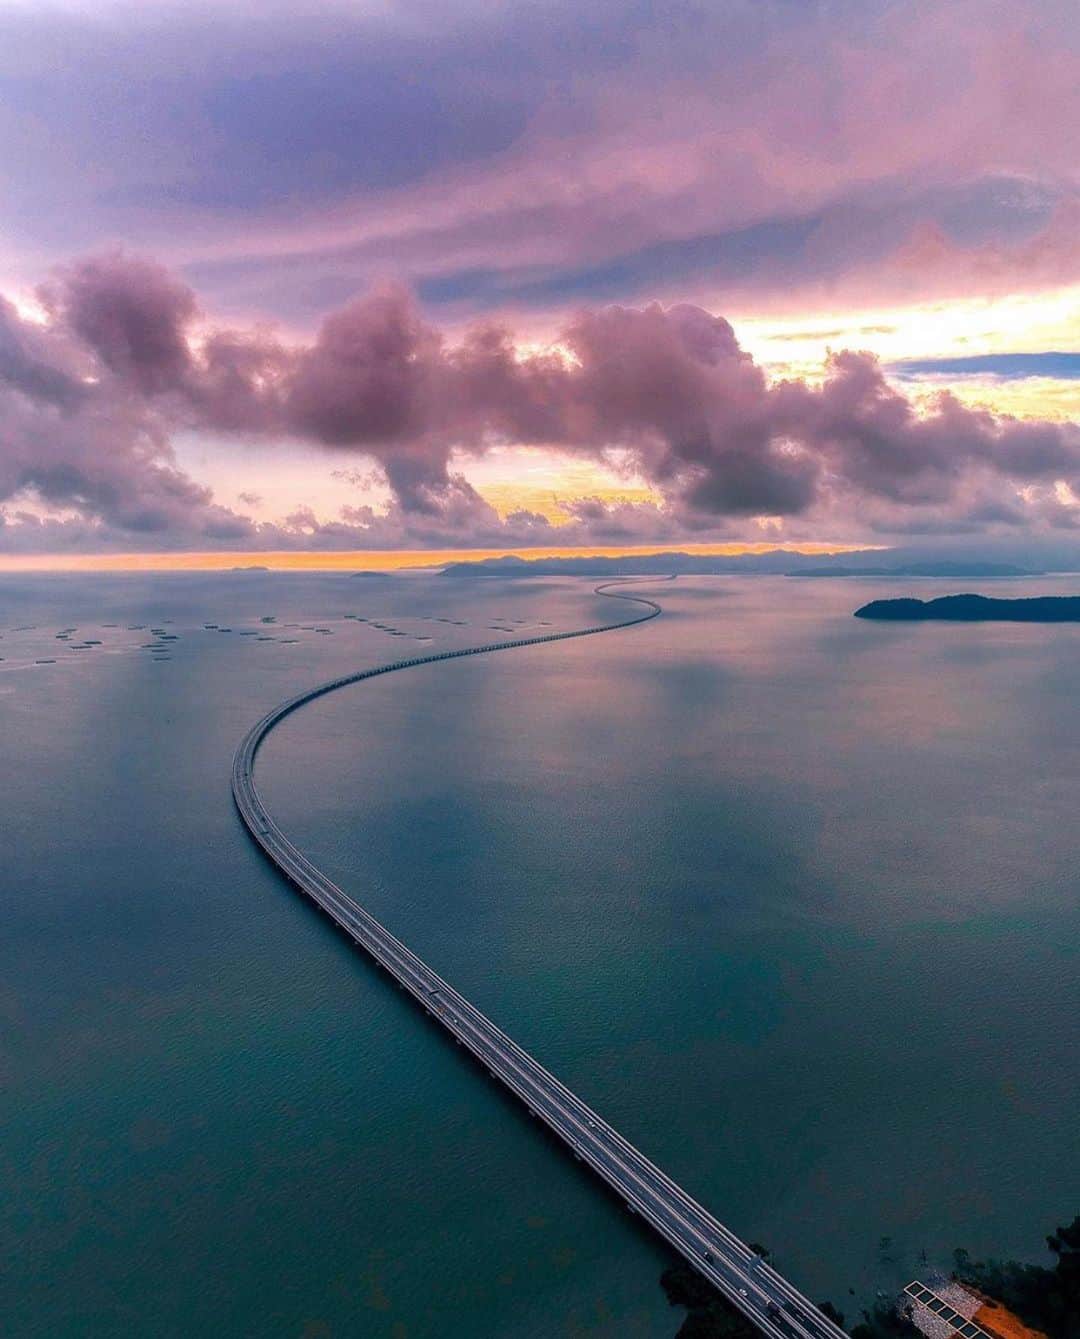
(743, 1276)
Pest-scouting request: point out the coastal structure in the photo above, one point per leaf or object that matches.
(945, 1310)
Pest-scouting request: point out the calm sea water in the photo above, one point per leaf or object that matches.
(789, 897)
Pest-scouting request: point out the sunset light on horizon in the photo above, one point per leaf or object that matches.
(539, 666)
(374, 560)
(730, 273)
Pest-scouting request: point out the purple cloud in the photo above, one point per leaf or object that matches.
(90, 401)
(609, 152)
(132, 314)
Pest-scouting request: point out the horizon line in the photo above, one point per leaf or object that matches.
(381, 560)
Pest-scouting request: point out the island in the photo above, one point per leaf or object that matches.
(1006, 1299)
(977, 609)
(770, 562)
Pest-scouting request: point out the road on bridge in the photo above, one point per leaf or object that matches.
(747, 1280)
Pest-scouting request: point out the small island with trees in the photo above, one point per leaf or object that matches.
(976, 609)
(1045, 1298)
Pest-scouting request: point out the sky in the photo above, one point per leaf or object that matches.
(410, 277)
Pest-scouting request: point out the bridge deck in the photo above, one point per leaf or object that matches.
(750, 1283)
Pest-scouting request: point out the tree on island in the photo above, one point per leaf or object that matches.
(712, 1316)
(1047, 1299)
(886, 1321)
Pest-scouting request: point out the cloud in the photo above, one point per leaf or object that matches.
(609, 152)
(92, 397)
(366, 376)
(132, 314)
(80, 431)
(35, 363)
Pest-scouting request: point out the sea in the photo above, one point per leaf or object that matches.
(790, 898)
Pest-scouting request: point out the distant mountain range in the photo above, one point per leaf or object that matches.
(976, 609)
(921, 569)
(776, 562)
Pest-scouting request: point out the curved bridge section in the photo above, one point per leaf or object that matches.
(762, 1294)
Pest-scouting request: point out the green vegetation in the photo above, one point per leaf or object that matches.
(1047, 1299)
(886, 1321)
(977, 609)
(711, 1316)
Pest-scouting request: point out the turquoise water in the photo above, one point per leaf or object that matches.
(790, 898)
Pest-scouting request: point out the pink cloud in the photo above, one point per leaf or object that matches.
(91, 400)
(618, 133)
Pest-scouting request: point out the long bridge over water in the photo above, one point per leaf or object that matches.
(744, 1277)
